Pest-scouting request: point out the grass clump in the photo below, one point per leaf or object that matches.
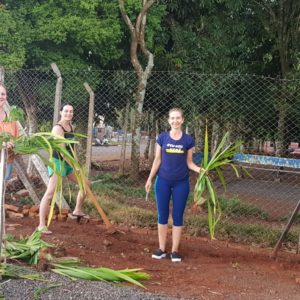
(119, 186)
(134, 216)
(234, 207)
(245, 233)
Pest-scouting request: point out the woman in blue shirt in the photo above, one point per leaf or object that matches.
(173, 160)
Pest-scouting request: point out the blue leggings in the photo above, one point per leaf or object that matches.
(179, 190)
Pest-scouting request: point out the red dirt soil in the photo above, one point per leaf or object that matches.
(210, 269)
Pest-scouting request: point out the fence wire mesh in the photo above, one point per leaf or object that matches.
(263, 112)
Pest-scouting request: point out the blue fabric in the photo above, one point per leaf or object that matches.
(179, 191)
(174, 155)
(199, 156)
(8, 171)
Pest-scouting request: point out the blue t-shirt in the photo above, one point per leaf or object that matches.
(174, 155)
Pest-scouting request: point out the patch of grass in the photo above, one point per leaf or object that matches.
(196, 225)
(24, 201)
(245, 233)
(249, 233)
(114, 193)
(286, 219)
(134, 216)
(234, 207)
(119, 186)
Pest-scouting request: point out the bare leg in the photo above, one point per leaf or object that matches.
(80, 198)
(44, 206)
(162, 236)
(176, 236)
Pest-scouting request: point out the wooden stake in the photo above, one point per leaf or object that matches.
(286, 230)
(104, 217)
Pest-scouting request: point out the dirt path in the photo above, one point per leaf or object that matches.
(210, 270)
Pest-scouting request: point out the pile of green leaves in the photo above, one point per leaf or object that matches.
(12, 271)
(26, 249)
(205, 190)
(72, 269)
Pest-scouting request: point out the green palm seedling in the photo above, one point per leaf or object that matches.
(205, 190)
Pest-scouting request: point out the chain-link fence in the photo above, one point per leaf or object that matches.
(263, 112)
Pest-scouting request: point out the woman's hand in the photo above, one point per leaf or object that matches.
(8, 145)
(202, 170)
(148, 185)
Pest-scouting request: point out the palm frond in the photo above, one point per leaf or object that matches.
(222, 157)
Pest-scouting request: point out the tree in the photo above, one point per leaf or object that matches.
(281, 20)
(12, 45)
(74, 34)
(138, 46)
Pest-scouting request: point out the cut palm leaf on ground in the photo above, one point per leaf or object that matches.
(13, 271)
(74, 271)
(26, 249)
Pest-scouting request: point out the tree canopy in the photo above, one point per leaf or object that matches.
(208, 36)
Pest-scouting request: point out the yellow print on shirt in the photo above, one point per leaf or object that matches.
(175, 149)
(180, 151)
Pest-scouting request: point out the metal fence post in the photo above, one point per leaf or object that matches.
(90, 129)
(58, 93)
(2, 195)
(1, 74)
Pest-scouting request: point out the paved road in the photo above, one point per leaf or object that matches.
(104, 153)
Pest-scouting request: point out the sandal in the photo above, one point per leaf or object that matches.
(44, 230)
(74, 216)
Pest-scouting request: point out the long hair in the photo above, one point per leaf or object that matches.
(2, 84)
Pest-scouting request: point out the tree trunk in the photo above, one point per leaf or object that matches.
(136, 129)
(29, 99)
(198, 130)
(280, 143)
(153, 135)
(214, 137)
(151, 131)
(123, 149)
